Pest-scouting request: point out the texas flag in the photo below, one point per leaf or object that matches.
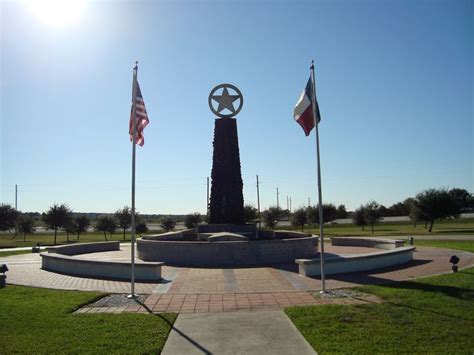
(303, 113)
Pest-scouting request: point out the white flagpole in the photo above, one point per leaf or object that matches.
(321, 220)
(134, 100)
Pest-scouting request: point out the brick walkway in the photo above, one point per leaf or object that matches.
(215, 290)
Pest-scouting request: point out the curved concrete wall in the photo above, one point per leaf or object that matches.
(100, 269)
(379, 243)
(354, 263)
(84, 248)
(60, 259)
(231, 253)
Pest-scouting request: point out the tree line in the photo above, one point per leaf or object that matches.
(427, 207)
(60, 217)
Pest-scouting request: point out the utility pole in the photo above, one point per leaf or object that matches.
(207, 206)
(278, 198)
(290, 204)
(309, 202)
(16, 206)
(287, 202)
(258, 203)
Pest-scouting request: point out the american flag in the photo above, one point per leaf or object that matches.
(141, 118)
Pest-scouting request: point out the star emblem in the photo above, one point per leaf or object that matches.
(225, 100)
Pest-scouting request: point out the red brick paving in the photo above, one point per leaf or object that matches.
(184, 303)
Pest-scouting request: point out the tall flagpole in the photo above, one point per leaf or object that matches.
(134, 100)
(321, 221)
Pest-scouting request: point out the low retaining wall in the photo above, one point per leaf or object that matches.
(85, 248)
(61, 259)
(354, 263)
(227, 253)
(176, 235)
(379, 243)
(100, 269)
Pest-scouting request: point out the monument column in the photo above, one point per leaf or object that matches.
(227, 201)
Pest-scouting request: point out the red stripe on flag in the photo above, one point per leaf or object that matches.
(141, 119)
(306, 120)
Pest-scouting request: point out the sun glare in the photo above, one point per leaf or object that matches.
(57, 12)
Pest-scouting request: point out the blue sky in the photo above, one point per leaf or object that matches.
(394, 83)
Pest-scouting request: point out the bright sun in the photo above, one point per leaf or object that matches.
(57, 12)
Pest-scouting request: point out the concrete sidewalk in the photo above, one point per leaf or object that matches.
(265, 332)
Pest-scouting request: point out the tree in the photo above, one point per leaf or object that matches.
(463, 200)
(399, 209)
(383, 211)
(413, 211)
(359, 217)
(192, 220)
(106, 224)
(57, 217)
(341, 212)
(312, 214)
(372, 214)
(168, 223)
(272, 216)
(299, 218)
(25, 225)
(70, 227)
(250, 213)
(141, 228)
(124, 219)
(329, 213)
(8, 217)
(436, 204)
(82, 223)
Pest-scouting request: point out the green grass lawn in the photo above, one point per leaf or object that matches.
(459, 227)
(40, 321)
(467, 245)
(450, 227)
(9, 241)
(430, 316)
(14, 252)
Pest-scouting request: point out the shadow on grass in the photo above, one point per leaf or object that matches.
(451, 291)
(454, 231)
(455, 292)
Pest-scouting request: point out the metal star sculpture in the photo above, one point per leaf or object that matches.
(225, 100)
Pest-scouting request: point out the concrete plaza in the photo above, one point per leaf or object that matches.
(198, 290)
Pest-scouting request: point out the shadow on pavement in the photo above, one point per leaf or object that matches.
(191, 340)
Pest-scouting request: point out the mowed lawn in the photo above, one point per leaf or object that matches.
(448, 227)
(466, 245)
(433, 315)
(10, 241)
(40, 321)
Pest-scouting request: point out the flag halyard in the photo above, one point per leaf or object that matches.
(141, 118)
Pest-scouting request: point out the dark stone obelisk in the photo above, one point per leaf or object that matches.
(227, 200)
